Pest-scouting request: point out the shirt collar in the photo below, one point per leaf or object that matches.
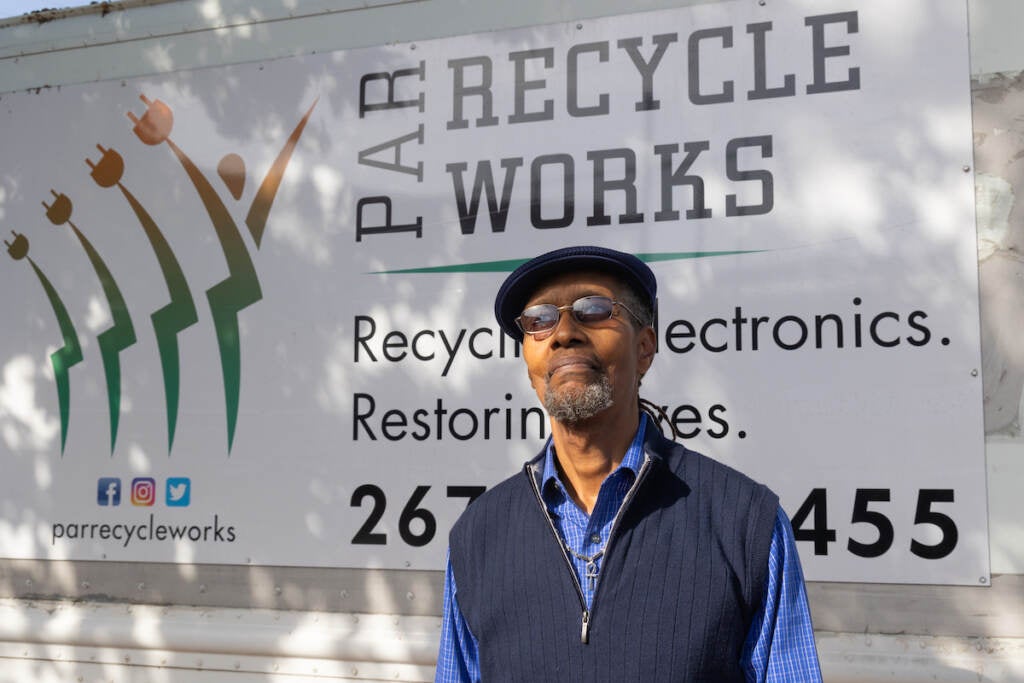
(631, 460)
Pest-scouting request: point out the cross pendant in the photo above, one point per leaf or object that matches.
(591, 575)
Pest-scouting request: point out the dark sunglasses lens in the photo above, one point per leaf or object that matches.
(593, 309)
(539, 318)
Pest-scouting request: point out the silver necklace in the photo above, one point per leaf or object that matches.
(591, 569)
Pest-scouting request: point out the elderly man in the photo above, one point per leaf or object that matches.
(617, 554)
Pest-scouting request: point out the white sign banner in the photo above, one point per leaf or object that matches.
(251, 321)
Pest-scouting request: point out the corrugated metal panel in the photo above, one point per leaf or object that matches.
(57, 642)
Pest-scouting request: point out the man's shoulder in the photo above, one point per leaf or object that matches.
(494, 502)
(514, 485)
(696, 468)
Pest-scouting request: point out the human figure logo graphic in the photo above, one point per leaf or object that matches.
(226, 298)
(121, 334)
(67, 356)
(242, 287)
(177, 315)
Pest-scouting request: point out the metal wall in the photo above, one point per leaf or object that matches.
(153, 622)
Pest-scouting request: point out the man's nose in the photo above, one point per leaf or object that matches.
(567, 329)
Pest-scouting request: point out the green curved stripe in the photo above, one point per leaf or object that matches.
(171, 319)
(509, 265)
(683, 255)
(63, 358)
(118, 337)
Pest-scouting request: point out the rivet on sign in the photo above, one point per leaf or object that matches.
(409, 596)
(579, 27)
(413, 46)
(967, 169)
(277, 590)
(974, 372)
(761, 2)
(202, 588)
(983, 580)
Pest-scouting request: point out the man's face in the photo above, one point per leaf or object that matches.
(580, 371)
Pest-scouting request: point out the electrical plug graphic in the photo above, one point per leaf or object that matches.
(156, 123)
(59, 212)
(108, 170)
(19, 248)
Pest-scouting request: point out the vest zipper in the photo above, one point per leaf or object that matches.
(584, 635)
(585, 625)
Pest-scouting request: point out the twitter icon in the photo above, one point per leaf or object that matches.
(179, 492)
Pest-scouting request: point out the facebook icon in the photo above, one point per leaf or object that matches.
(108, 491)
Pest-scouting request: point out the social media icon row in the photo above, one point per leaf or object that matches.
(177, 492)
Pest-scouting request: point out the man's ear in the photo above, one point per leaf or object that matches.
(646, 343)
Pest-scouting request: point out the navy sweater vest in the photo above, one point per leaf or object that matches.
(682, 579)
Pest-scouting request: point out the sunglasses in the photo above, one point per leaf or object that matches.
(542, 319)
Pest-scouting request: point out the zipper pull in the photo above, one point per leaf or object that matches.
(584, 634)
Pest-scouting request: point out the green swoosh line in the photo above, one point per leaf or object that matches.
(63, 358)
(171, 319)
(509, 265)
(238, 290)
(116, 338)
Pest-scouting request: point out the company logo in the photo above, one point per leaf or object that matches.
(108, 491)
(179, 492)
(143, 491)
(226, 298)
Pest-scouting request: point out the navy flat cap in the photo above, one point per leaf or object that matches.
(524, 280)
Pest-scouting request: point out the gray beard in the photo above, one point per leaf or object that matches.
(572, 406)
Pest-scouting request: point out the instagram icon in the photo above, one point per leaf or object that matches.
(143, 491)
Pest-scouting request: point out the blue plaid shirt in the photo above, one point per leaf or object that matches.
(779, 646)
